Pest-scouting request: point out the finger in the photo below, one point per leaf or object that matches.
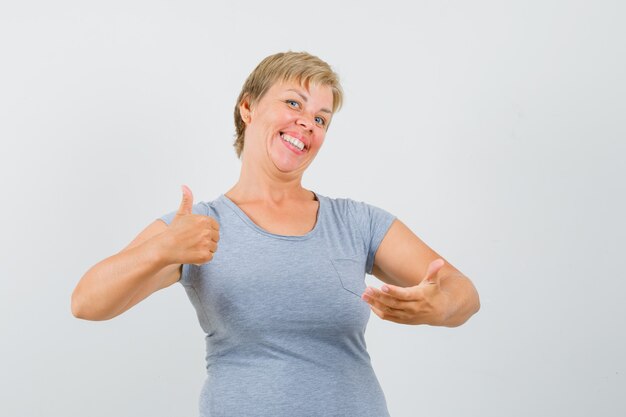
(187, 201)
(399, 298)
(431, 274)
(389, 305)
(405, 294)
(214, 223)
(377, 312)
(385, 316)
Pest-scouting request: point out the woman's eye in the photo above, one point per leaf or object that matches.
(320, 121)
(293, 103)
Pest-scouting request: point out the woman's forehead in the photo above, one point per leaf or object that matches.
(319, 92)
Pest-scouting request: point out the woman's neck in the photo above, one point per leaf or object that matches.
(260, 185)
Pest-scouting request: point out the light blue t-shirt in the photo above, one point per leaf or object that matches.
(283, 315)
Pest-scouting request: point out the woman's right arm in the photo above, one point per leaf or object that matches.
(152, 261)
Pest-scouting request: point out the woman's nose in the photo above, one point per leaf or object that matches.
(305, 122)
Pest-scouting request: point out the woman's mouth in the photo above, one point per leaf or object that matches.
(293, 143)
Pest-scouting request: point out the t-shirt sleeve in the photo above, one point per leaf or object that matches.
(373, 223)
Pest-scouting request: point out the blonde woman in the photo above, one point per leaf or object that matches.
(276, 271)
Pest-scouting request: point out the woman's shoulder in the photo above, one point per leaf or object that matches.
(337, 201)
(213, 206)
(345, 203)
(347, 207)
(340, 204)
(355, 208)
(204, 207)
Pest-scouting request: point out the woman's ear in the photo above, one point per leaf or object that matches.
(245, 110)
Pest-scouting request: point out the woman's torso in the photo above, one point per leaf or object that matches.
(284, 319)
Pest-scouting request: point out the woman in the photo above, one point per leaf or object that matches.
(283, 301)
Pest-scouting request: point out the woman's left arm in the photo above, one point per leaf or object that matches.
(421, 287)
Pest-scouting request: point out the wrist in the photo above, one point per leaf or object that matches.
(159, 249)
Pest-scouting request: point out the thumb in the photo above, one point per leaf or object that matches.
(187, 202)
(431, 274)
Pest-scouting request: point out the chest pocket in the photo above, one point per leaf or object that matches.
(351, 274)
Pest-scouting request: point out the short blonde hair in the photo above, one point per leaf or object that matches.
(284, 66)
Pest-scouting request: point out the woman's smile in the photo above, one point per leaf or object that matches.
(293, 140)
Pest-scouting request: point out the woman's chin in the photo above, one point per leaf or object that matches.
(286, 162)
(286, 166)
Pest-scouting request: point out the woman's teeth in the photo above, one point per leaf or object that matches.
(295, 142)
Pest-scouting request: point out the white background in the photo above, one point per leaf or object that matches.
(494, 130)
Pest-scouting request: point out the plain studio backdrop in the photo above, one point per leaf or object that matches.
(494, 130)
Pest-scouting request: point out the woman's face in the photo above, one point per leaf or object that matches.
(287, 113)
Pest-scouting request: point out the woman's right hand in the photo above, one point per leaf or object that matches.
(152, 261)
(190, 238)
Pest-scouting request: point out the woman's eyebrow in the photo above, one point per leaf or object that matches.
(305, 99)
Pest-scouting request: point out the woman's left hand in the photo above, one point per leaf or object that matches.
(425, 303)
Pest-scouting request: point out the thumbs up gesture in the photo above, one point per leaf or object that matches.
(424, 303)
(192, 237)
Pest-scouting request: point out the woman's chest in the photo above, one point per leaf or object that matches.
(264, 285)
